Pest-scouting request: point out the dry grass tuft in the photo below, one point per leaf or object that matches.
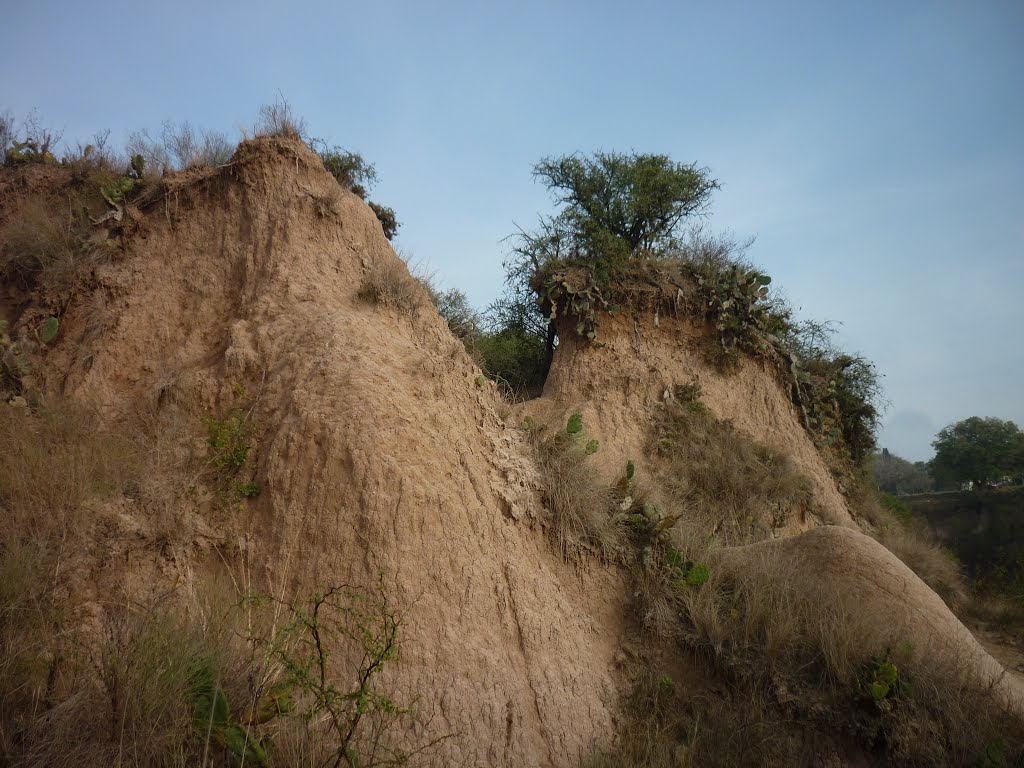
(715, 487)
(934, 565)
(583, 509)
(327, 205)
(772, 625)
(792, 646)
(914, 544)
(278, 119)
(129, 701)
(772, 612)
(390, 284)
(39, 242)
(724, 484)
(656, 729)
(51, 463)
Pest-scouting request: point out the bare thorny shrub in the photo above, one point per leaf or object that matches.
(178, 147)
(279, 119)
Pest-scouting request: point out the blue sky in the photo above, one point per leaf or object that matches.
(875, 150)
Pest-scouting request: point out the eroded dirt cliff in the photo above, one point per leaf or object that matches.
(379, 448)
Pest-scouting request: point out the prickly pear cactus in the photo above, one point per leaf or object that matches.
(48, 331)
(575, 424)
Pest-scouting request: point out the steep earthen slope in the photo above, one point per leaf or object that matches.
(378, 449)
(619, 383)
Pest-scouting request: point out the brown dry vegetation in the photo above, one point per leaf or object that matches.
(39, 242)
(390, 284)
(582, 507)
(117, 679)
(912, 542)
(723, 484)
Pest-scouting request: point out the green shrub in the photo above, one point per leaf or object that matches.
(343, 705)
(229, 439)
(517, 358)
(387, 219)
(898, 508)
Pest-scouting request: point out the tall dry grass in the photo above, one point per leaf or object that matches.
(792, 648)
(583, 509)
(723, 484)
(130, 698)
(39, 241)
(52, 462)
(390, 284)
(913, 543)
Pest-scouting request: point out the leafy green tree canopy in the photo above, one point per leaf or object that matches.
(613, 208)
(617, 206)
(978, 450)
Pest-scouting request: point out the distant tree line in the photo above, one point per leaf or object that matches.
(981, 452)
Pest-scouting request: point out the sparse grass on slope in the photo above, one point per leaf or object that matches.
(582, 508)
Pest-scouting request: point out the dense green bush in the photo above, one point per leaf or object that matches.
(349, 168)
(357, 176)
(516, 358)
(386, 216)
(839, 394)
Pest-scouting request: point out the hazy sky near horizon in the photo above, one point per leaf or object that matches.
(875, 150)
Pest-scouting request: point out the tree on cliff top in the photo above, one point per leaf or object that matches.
(613, 208)
(618, 206)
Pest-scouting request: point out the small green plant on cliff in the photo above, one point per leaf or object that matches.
(344, 712)
(839, 395)
(880, 680)
(357, 176)
(230, 439)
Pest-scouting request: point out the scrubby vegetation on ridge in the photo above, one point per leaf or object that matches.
(81, 217)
